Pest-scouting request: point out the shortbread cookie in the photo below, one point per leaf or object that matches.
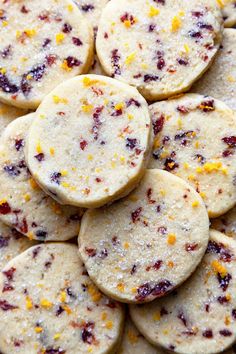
(89, 142)
(200, 317)
(12, 243)
(226, 223)
(8, 114)
(195, 138)
(23, 204)
(134, 343)
(147, 244)
(229, 12)
(92, 10)
(43, 43)
(161, 47)
(48, 304)
(220, 80)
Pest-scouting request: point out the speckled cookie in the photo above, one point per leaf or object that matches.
(12, 243)
(23, 205)
(161, 47)
(134, 343)
(200, 317)
(8, 114)
(195, 138)
(226, 223)
(47, 311)
(90, 140)
(43, 43)
(92, 10)
(228, 8)
(220, 80)
(147, 244)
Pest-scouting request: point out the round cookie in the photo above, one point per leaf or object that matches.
(23, 204)
(92, 10)
(161, 47)
(229, 12)
(219, 81)
(195, 138)
(133, 341)
(11, 244)
(200, 317)
(43, 43)
(163, 219)
(8, 114)
(52, 311)
(226, 223)
(99, 131)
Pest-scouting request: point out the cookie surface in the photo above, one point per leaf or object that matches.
(92, 10)
(43, 43)
(23, 204)
(51, 311)
(161, 47)
(99, 132)
(229, 12)
(165, 219)
(8, 114)
(133, 341)
(199, 318)
(195, 138)
(219, 81)
(12, 243)
(226, 223)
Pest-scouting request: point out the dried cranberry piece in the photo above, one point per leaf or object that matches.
(224, 281)
(149, 196)
(12, 170)
(151, 28)
(6, 85)
(91, 252)
(182, 61)
(133, 102)
(182, 317)
(219, 248)
(225, 333)
(128, 17)
(161, 63)
(41, 235)
(143, 292)
(190, 247)
(135, 215)
(77, 41)
(97, 122)
(6, 52)
(9, 274)
(51, 350)
(5, 306)
(207, 106)
(115, 59)
(133, 270)
(87, 333)
(230, 141)
(156, 266)
(51, 59)
(36, 252)
(162, 2)
(158, 124)
(83, 144)
(205, 26)
(38, 72)
(170, 164)
(234, 314)
(87, 7)
(162, 287)
(227, 153)
(103, 254)
(195, 34)
(72, 61)
(207, 333)
(46, 42)
(40, 157)
(131, 143)
(67, 28)
(59, 311)
(222, 300)
(183, 109)
(5, 208)
(19, 143)
(55, 177)
(197, 14)
(149, 78)
(24, 10)
(4, 241)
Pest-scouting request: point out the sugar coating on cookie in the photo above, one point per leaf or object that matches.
(219, 81)
(200, 316)
(23, 205)
(161, 47)
(43, 43)
(163, 219)
(12, 243)
(90, 140)
(195, 138)
(134, 342)
(48, 304)
(8, 114)
(228, 8)
(92, 10)
(226, 223)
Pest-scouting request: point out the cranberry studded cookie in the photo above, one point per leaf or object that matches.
(226, 223)
(50, 311)
(12, 243)
(219, 81)
(8, 114)
(161, 47)
(195, 138)
(147, 244)
(200, 317)
(43, 43)
(90, 141)
(134, 343)
(23, 205)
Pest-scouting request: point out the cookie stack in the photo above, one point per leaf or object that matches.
(117, 177)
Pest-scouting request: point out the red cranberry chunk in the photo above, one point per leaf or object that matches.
(207, 333)
(5, 306)
(87, 7)
(135, 215)
(230, 141)
(5, 208)
(67, 28)
(77, 41)
(158, 124)
(9, 274)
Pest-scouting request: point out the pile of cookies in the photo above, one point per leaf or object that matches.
(118, 176)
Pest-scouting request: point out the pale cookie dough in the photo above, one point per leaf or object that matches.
(11, 244)
(43, 43)
(220, 80)
(134, 343)
(228, 8)
(195, 138)
(90, 141)
(200, 317)
(23, 205)
(8, 114)
(226, 223)
(92, 10)
(161, 47)
(53, 307)
(147, 244)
